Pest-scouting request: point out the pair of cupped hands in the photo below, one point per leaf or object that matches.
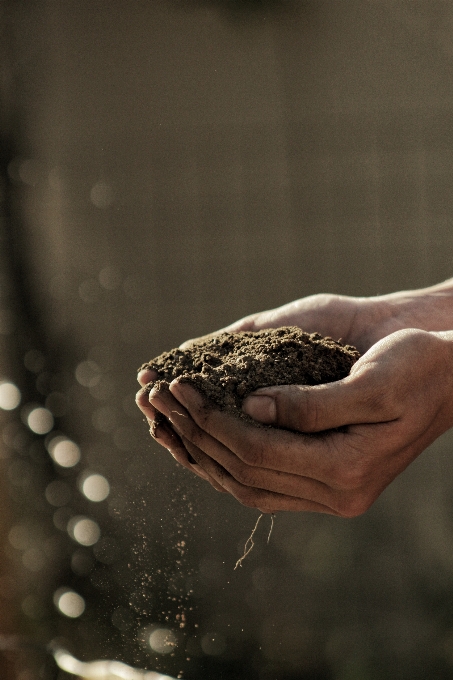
(333, 448)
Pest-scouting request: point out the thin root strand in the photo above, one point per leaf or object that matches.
(248, 547)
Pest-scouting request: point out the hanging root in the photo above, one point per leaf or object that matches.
(272, 526)
(248, 547)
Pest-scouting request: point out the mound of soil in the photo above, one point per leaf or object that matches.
(227, 367)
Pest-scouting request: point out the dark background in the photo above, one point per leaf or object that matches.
(168, 167)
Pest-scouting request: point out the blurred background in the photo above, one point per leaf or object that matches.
(168, 166)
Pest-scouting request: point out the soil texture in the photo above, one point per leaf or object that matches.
(227, 367)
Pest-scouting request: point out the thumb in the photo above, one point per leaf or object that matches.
(320, 407)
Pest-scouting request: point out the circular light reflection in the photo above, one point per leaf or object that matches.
(96, 488)
(88, 373)
(64, 451)
(34, 559)
(20, 537)
(163, 641)
(69, 603)
(58, 493)
(109, 278)
(40, 420)
(9, 396)
(84, 530)
(101, 194)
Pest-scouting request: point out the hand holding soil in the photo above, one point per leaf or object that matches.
(397, 399)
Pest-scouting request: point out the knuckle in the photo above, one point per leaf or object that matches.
(245, 475)
(252, 455)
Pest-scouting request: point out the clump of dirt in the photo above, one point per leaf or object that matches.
(227, 367)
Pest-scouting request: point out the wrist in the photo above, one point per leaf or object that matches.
(428, 309)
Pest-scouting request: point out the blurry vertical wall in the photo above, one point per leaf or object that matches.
(169, 167)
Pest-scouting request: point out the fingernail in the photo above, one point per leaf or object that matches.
(260, 408)
(143, 374)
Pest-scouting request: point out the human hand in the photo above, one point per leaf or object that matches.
(356, 321)
(333, 315)
(337, 316)
(397, 399)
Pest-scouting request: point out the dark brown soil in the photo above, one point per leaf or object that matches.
(226, 368)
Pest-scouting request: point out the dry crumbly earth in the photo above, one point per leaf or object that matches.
(228, 367)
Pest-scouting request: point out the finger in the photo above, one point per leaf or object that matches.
(164, 403)
(164, 435)
(142, 401)
(317, 408)
(269, 480)
(203, 338)
(146, 375)
(345, 462)
(265, 501)
(162, 400)
(315, 457)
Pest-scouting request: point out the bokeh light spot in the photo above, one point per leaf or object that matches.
(69, 603)
(96, 488)
(101, 195)
(58, 493)
(64, 451)
(34, 559)
(9, 396)
(88, 373)
(163, 641)
(110, 278)
(84, 530)
(20, 537)
(40, 420)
